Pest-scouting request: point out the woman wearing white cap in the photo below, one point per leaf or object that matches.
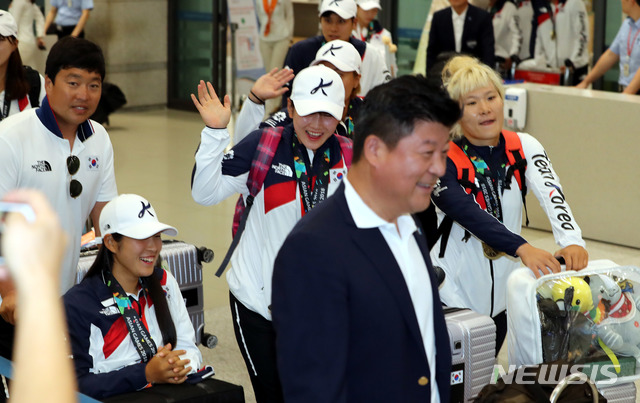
(20, 87)
(128, 324)
(284, 172)
(368, 29)
(340, 56)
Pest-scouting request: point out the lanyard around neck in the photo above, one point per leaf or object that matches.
(313, 190)
(138, 332)
(269, 7)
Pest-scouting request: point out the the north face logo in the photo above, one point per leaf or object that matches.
(283, 169)
(42, 166)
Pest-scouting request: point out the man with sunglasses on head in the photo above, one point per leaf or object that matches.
(59, 151)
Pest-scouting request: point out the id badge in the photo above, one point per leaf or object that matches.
(625, 69)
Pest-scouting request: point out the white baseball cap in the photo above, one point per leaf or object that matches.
(369, 4)
(318, 89)
(132, 216)
(346, 9)
(341, 54)
(8, 26)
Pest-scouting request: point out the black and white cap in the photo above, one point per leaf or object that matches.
(132, 216)
(342, 55)
(369, 4)
(346, 9)
(318, 89)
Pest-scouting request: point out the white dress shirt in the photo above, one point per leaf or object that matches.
(458, 27)
(405, 250)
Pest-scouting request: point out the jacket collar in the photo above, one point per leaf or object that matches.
(48, 119)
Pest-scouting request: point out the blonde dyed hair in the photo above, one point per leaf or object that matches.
(464, 74)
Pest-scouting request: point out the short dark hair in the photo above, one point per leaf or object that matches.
(391, 110)
(70, 52)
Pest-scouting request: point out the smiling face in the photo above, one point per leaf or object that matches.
(133, 258)
(335, 27)
(73, 97)
(483, 116)
(407, 174)
(314, 129)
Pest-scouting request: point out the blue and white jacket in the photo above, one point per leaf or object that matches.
(473, 281)
(106, 360)
(276, 208)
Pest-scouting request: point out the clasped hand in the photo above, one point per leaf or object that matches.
(167, 366)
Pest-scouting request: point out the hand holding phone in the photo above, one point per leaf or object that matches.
(32, 242)
(12, 207)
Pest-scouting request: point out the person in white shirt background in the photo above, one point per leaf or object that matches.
(30, 42)
(276, 32)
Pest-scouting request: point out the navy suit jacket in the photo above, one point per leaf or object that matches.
(346, 329)
(477, 36)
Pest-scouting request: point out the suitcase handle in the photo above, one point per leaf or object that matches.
(557, 391)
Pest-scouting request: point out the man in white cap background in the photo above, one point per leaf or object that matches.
(283, 172)
(340, 56)
(337, 20)
(369, 29)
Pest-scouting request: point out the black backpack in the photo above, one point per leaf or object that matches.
(34, 86)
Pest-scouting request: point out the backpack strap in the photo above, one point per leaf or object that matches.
(34, 86)
(346, 147)
(466, 172)
(466, 175)
(257, 173)
(517, 164)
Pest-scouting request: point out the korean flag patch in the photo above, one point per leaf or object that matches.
(337, 175)
(93, 163)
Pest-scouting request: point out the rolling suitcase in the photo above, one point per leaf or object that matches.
(185, 263)
(473, 343)
(625, 393)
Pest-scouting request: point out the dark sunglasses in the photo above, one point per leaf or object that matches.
(75, 187)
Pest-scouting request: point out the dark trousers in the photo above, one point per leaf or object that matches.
(63, 31)
(7, 331)
(501, 329)
(257, 341)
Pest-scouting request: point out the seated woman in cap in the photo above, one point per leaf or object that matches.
(339, 56)
(307, 164)
(128, 324)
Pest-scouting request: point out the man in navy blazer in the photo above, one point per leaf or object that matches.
(355, 301)
(477, 34)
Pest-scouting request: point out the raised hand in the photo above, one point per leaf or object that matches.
(271, 85)
(214, 114)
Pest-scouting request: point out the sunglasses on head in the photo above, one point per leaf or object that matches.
(75, 187)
